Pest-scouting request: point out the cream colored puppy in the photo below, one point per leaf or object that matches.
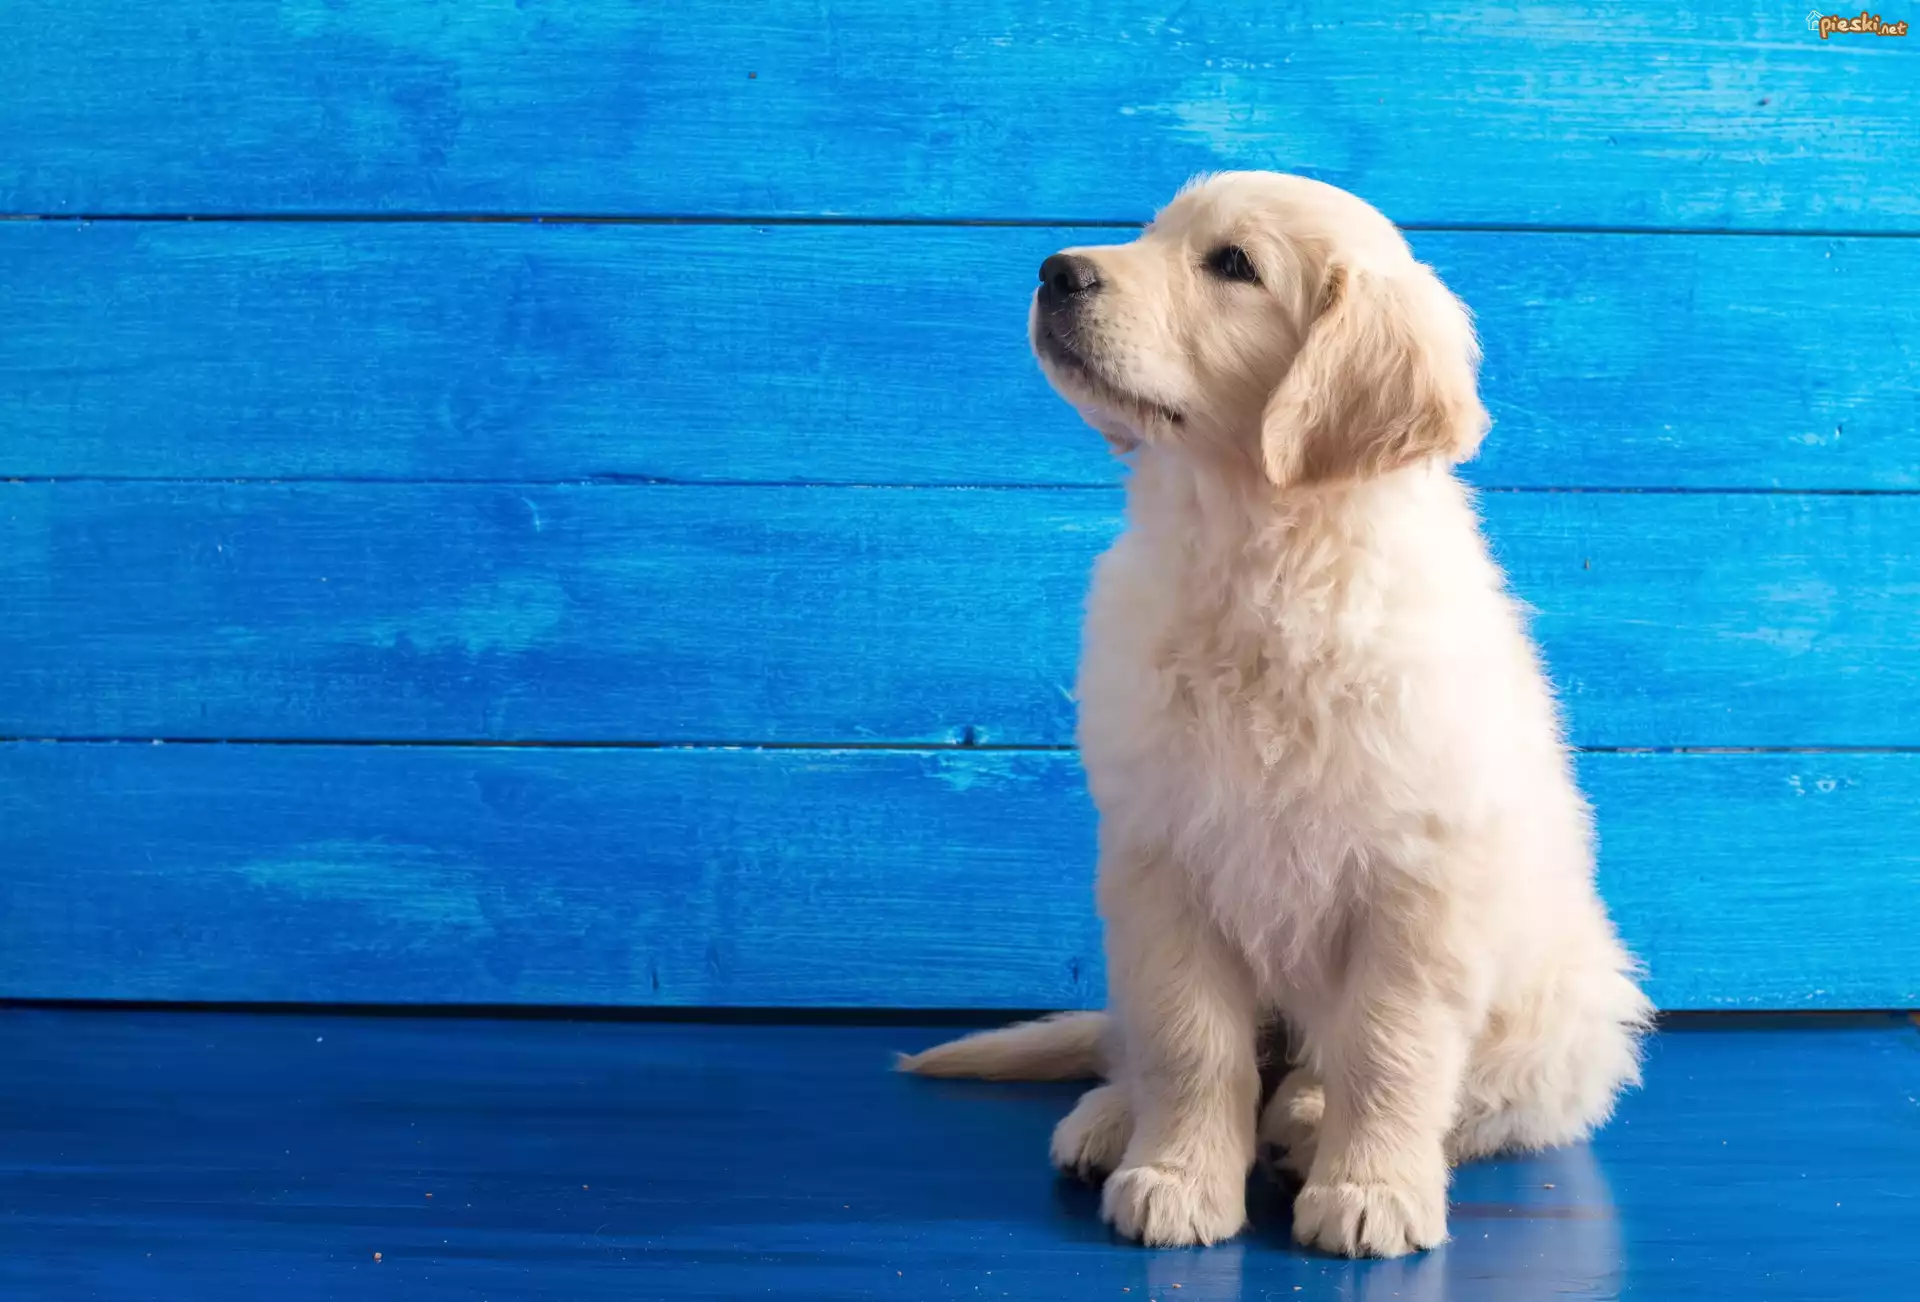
(1330, 774)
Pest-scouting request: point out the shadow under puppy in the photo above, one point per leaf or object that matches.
(1330, 772)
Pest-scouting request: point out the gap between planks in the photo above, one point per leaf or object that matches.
(1011, 223)
(1668, 1019)
(883, 747)
(611, 480)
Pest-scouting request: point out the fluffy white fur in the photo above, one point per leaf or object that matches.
(1330, 772)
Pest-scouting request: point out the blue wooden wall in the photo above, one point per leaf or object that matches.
(548, 502)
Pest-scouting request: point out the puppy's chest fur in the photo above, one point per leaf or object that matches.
(1244, 687)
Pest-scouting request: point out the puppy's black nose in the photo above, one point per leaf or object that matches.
(1066, 274)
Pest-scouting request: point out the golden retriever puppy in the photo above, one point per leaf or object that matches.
(1330, 772)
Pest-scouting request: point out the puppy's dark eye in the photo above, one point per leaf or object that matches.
(1230, 262)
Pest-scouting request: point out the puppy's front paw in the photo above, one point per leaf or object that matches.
(1168, 1208)
(1370, 1220)
(1090, 1140)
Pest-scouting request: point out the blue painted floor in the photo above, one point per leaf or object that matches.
(208, 1156)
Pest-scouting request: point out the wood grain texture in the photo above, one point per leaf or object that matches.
(628, 613)
(226, 1158)
(705, 878)
(1715, 116)
(396, 875)
(880, 355)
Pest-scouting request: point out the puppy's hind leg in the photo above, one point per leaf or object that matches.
(1547, 1069)
(1089, 1141)
(1291, 1120)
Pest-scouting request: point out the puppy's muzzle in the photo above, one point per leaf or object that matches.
(1068, 283)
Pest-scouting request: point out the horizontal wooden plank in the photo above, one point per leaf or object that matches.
(547, 876)
(1691, 114)
(568, 612)
(652, 613)
(800, 354)
(804, 878)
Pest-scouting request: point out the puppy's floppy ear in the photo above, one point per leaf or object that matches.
(1387, 376)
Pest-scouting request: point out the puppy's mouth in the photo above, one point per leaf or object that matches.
(1070, 360)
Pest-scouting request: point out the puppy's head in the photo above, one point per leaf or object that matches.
(1269, 321)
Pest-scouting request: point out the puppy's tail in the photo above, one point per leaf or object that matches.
(1065, 1046)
